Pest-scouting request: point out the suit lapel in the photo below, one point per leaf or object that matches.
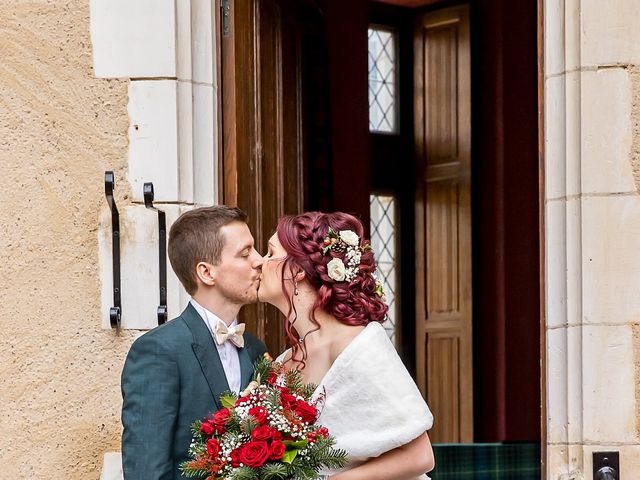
(246, 367)
(206, 352)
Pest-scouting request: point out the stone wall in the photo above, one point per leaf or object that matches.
(87, 87)
(592, 210)
(60, 129)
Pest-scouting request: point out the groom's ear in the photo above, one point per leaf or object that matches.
(206, 273)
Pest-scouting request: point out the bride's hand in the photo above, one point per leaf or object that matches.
(403, 463)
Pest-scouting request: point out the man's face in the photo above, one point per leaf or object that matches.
(238, 273)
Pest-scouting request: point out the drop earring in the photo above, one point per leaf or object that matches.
(295, 287)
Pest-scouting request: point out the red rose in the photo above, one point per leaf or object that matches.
(220, 419)
(235, 458)
(288, 401)
(275, 434)
(242, 400)
(273, 378)
(259, 413)
(283, 389)
(306, 412)
(261, 434)
(207, 428)
(277, 450)
(213, 447)
(254, 454)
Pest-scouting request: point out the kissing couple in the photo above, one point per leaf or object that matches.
(319, 272)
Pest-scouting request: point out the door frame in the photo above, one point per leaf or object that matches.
(541, 209)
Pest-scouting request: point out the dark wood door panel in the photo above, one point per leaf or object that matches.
(264, 125)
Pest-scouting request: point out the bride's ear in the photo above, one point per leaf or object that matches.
(206, 274)
(300, 276)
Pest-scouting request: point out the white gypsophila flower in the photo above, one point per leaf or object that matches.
(349, 237)
(353, 256)
(351, 273)
(336, 270)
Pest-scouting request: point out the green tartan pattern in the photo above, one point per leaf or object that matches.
(487, 461)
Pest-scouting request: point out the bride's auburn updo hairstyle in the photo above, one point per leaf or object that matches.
(346, 286)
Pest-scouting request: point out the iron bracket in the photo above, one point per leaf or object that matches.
(162, 251)
(115, 312)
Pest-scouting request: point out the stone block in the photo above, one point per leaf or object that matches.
(611, 264)
(573, 134)
(185, 141)
(610, 32)
(203, 55)
(153, 139)
(205, 145)
(139, 266)
(608, 384)
(555, 141)
(121, 48)
(557, 461)
(572, 34)
(555, 263)
(573, 255)
(183, 39)
(112, 466)
(557, 415)
(606, 132)
(554, 39)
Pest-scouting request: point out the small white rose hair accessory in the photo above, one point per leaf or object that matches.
(336, 270)
(347, 242)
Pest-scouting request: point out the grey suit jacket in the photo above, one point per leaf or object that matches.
(172, 376)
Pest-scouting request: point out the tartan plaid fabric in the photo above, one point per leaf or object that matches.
(487, 461)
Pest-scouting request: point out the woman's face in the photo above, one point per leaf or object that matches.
(270, 290)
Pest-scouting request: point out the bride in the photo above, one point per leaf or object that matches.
(319, 272)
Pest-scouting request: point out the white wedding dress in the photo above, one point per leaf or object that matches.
(372, 404)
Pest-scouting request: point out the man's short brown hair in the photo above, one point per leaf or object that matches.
(195, 237)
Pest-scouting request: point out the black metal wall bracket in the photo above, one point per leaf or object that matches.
(115, 312)
(606, 465)
(162, 251)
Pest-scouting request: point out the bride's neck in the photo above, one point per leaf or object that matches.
(304, 325)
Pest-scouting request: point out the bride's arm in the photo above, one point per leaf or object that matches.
(402, 463)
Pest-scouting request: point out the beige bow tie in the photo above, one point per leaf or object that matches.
(222, 333)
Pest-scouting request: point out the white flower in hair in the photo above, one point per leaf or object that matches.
(336, 270)
(349, 237)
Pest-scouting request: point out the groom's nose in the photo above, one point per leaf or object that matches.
(257, 261)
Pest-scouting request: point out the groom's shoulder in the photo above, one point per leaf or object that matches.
(169, 334)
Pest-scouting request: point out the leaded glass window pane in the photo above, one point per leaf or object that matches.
(383, 241)
(382, 81)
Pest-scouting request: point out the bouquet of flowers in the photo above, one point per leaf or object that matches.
(268, 432)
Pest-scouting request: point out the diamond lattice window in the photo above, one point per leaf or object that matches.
(383, 241)
(382, 81)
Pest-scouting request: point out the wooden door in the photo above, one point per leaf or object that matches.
(443, 221)
(263, 123)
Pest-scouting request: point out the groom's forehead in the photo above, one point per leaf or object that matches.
(237, 236)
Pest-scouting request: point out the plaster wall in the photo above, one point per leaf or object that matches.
(60, 129)
(592, 206)
(87, 87)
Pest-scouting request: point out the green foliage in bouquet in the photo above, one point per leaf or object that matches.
(268, 432)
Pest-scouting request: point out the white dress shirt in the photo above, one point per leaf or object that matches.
(228, 351)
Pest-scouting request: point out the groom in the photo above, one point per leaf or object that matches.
(175, 374)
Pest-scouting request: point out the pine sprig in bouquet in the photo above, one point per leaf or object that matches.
(269, 432)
